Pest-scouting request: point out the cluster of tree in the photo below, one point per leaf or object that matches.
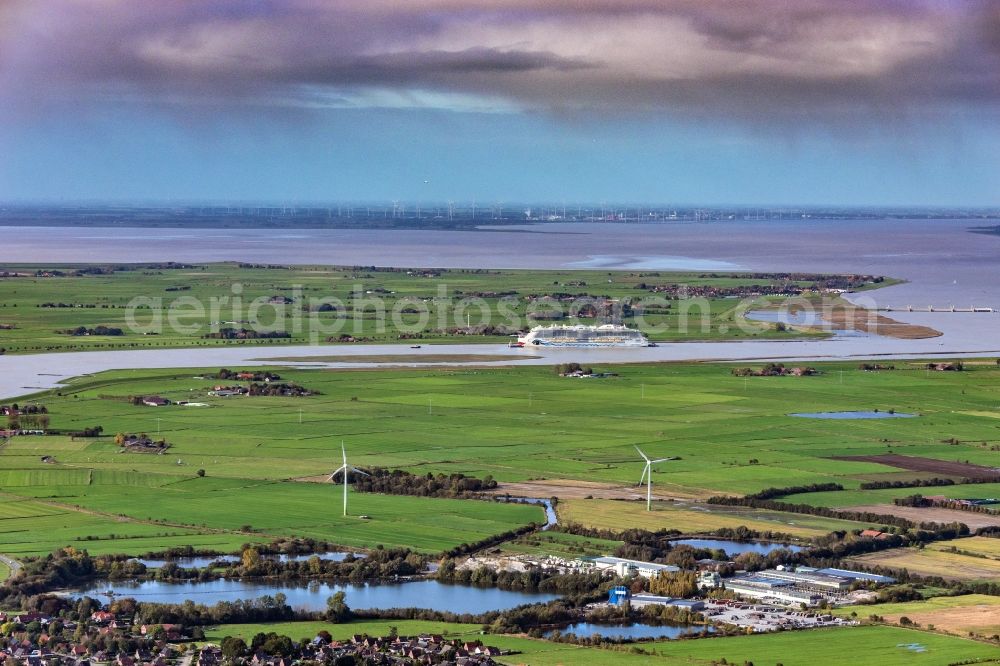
(27, 417)
(678, 584)
(875, 367)
(264, 609)
(139, 442)
(771, 493)
(65, 567)
(973, 506)
(490, 541)
(481, 329)
(774, 370)
(251, 375)
(230, 333)
(925, 483)
(380, 564)
(399, 482)
(91, 431)
(50, 304)
(15, 409)
(826, 512)
(957, 366)
(572, 368)
(288, 390)
(100, 329)
(535, 580)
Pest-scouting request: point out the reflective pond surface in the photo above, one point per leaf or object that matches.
(417, 594)
(734, 548)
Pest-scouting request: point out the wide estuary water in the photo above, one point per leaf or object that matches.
(943, 262)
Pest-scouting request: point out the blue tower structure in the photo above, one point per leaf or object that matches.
(619, 595)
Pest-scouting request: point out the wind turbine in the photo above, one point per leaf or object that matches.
(647, 474)
(346, 469)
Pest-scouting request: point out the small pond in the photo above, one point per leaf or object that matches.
(417, 594)
(853, 415)
(734, 548)
(803, 318)
(634, 630)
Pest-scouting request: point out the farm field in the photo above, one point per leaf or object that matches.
(29, 527)
(866, 646)
(617, 515)
(377, 305)
(930, 562)
(975, 613)
(886, 495)
(527, 425)
(268, 509)
(985, 546)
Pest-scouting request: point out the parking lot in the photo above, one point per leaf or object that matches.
(768, 618)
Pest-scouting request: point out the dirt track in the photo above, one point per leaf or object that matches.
(918, 464)
(931, 514)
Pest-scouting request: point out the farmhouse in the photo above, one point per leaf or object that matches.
(155, 401)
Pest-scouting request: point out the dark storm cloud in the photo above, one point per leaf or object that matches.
(754, 59)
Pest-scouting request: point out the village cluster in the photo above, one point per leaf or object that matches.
(104, 638)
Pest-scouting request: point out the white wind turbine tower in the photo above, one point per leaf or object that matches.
(346, 469)
(647, 474)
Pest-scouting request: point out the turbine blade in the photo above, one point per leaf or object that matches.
(358, 471)
(659, 460)
(343, 451)
(641, 453)
(645, 471)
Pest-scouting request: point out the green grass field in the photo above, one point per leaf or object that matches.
(934, 562)
(988, 547)
(866, 646)
(886, 495)
(516, 424)
(609, 514)
(368, 300)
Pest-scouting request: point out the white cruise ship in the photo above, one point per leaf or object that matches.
(605, 335)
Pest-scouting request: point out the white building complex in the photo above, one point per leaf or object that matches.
(626, 568)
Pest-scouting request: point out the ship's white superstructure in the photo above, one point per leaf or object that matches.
(605, 335)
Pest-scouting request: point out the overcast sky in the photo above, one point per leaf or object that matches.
(654, 101)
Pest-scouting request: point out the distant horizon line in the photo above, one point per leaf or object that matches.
(485, 205)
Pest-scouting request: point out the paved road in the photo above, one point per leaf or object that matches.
(14, 565)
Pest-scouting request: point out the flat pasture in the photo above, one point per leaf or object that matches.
(988, 547)
(272, 509)
(928, 562)
(545, 434)
(975, 613)
(618, 515)
(862, 646)
(883, 645)
(377, 305)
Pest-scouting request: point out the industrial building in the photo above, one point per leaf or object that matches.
(621, 595)
(625, 568)
(759, 587)
(808, 579)
(806, 585)
(856, 575)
